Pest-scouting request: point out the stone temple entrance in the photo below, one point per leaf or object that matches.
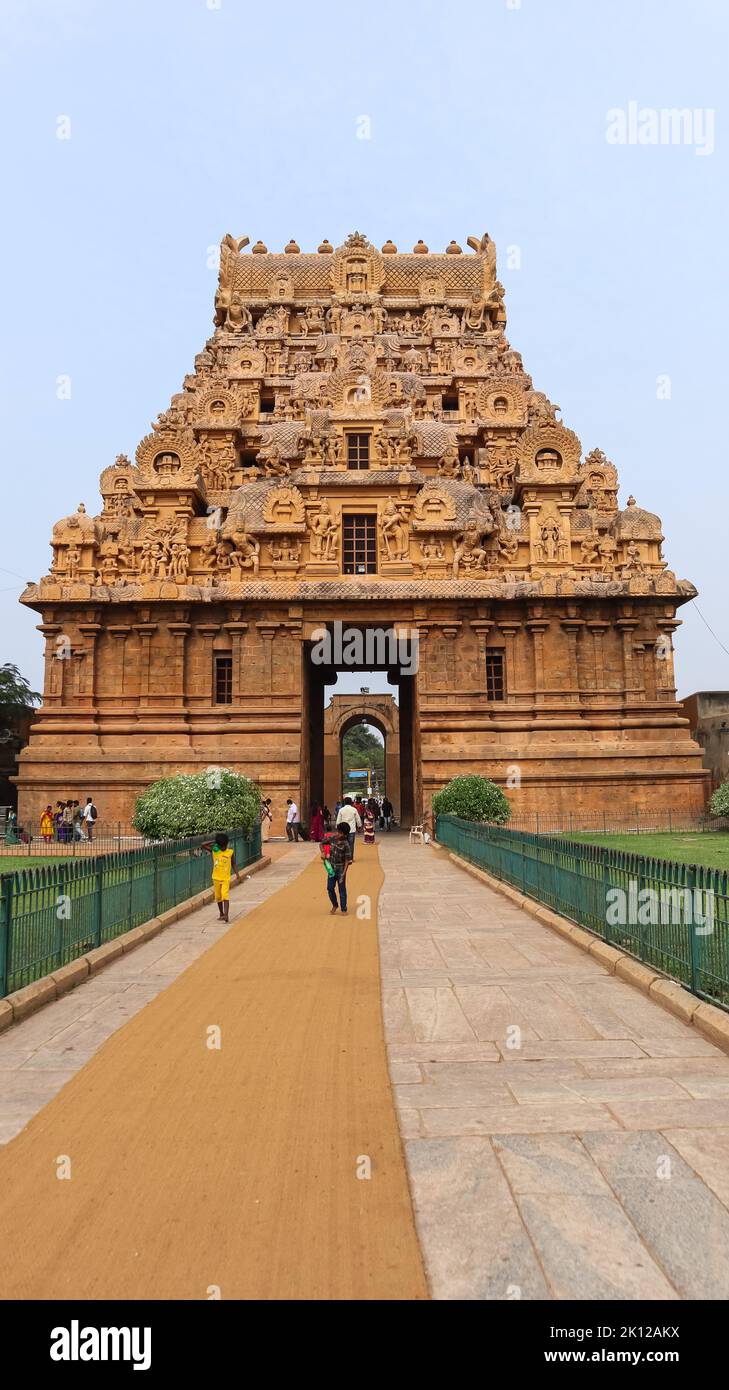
(327, 716)
(344, 711)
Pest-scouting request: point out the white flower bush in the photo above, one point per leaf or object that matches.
(201, 804)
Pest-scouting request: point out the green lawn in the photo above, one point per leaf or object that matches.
(709, 847)
(9, 863)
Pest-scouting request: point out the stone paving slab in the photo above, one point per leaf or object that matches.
(566, 1137)
(38, 1056)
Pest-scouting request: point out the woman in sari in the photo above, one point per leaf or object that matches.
(368, 821)
(316, 829)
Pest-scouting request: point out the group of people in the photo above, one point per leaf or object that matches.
(69, 821)
(360, 815)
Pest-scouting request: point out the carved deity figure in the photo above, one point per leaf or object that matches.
(550, 535)
(450, 464)
(607, 550)
(474, 315)
(508, 547)
(208, 549)
(633, 559)
(73, 562)
(432, 550)
(247, 551)
(274, 466)
(395, 531)
(324, 533)
(238, 318)
(589, 553)
(469, 551)
(179, 559)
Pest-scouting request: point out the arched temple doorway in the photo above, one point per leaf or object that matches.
(381, 650)
(341, 714)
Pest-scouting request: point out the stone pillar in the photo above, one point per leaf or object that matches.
(267, 632)
(537, 628)
(509, 630)
(207, 632)
(179, 633)
(571, 628)
(481, 627)
(450, 632)
(87, 685)
(627, 626)
(53, 668)
(146, 632)
(237, 633)
(598, 627)
(120, 633)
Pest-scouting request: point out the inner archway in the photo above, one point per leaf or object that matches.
(344, 713)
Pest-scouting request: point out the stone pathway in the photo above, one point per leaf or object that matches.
(566, 1138)
(38, 1056)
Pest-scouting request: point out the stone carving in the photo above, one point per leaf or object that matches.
(469, 553)
(165, 552)
(247, 552)
(395, 532)
(324, 533)
(551, 544)
(284, 507)
(433, 506)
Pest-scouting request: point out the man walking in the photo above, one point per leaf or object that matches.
(294, 829)
(90, 817)
(349, 818)
(387, 810)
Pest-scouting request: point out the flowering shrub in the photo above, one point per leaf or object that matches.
(217, 799)
(472, 798)
(719, 804)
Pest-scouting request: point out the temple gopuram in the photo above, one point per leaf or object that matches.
(359, 445)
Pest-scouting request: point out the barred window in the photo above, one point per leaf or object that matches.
(223, 680)
(495, 678)
(358, 450)
(359, 546)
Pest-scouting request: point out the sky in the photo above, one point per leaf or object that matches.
(137, 135)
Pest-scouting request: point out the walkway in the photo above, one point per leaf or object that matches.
(565, 1136)
(269, 1167)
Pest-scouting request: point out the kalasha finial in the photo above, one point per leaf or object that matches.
(292, 248)
(326, 248)
(389, 248)
(631, 500)
(453, 249)
(259, 249)
(420, 249)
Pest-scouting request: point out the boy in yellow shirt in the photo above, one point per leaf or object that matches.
(223, 867)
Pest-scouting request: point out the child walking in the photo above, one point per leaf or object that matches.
(336, 853)
(223, 867)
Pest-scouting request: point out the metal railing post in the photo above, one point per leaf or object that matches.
(98, 903)
(6, 915)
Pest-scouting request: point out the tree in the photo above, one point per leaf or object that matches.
(201, 804)
(473, 798)
(719, 804)
(16, 700)
(362, 748)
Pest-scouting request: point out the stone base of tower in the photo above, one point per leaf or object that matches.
(492, 691)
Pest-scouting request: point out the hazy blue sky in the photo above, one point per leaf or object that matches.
(191, 119)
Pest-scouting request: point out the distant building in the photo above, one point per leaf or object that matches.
(708, 714)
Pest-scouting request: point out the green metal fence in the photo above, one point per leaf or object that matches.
(54, 913)
(673, 916)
